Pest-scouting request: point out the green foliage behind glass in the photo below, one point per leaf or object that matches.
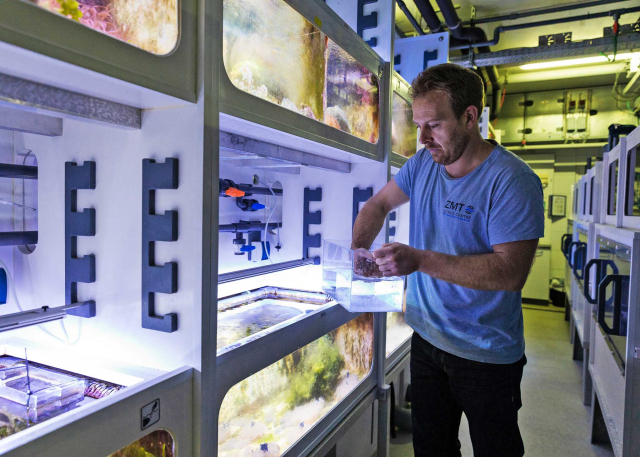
(317, 373)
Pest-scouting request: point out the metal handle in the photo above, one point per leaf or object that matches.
(571, 245)
(580, 249)
(564, 245)
(586, 289)
(602, 297)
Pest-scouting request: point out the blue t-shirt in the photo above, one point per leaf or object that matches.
(499, 202)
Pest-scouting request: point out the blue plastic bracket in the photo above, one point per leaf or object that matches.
(3, 287)
(392, 217)
(428, 57)
(360, 196)
(83, 269)
(309, 218)
(369, 21)
(158, 227)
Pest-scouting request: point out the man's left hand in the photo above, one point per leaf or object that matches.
(397, 259)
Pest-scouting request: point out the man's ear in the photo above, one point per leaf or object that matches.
(471, 117)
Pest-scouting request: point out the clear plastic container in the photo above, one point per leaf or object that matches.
(43, 392)
(355, 282)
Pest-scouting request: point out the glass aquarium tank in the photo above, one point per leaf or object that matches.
(151, 25)
(353, 279)
(33, 393)
(158, 443)
(404, 133)
(250, 315)
(274, 53)
(398, 331)
(269, 411)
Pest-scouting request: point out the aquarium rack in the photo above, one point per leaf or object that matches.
(158, 227)
(78, 269)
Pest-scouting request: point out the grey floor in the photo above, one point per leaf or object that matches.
(553, 421)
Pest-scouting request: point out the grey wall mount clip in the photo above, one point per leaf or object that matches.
(158, 227)
(83, 269)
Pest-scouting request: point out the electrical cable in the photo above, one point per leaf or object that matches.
(15, 298)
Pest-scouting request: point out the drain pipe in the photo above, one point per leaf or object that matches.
(434, 24)
(464, 36)
(403, 6)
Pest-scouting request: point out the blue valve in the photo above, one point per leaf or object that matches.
(247, 248)
(257, 206)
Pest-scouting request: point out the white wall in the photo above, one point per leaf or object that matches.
(115, 335)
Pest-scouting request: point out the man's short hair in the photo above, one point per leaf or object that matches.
(462, 86)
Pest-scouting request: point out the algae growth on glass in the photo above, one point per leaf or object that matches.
(404, 133)
(274, 53)
(268, 412)
(151, 25)
(398, 331)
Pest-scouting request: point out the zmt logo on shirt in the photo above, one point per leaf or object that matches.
(458, 210)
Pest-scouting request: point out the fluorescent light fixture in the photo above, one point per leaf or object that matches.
(583, 61)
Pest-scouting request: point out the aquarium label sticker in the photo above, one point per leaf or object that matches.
(318, 22)
(150, 414)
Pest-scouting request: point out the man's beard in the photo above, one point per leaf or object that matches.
(450, 156)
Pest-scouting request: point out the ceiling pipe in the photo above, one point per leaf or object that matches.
(541, 11)
(434, 24)
(484, 43)
(464, 36)
(403, 6)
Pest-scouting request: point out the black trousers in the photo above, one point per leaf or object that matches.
(443, 386)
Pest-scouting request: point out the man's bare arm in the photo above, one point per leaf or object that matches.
(506, 268)
(371, 218)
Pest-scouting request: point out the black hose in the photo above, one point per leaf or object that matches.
(469, 35)
(403, 6)
(429, 15)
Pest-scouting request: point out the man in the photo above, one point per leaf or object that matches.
(476, 216)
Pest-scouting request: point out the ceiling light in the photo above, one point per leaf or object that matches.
(583, 61)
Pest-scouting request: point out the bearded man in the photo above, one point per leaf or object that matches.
(477, 213)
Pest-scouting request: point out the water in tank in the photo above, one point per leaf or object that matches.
(266, 413)
(274, 53)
